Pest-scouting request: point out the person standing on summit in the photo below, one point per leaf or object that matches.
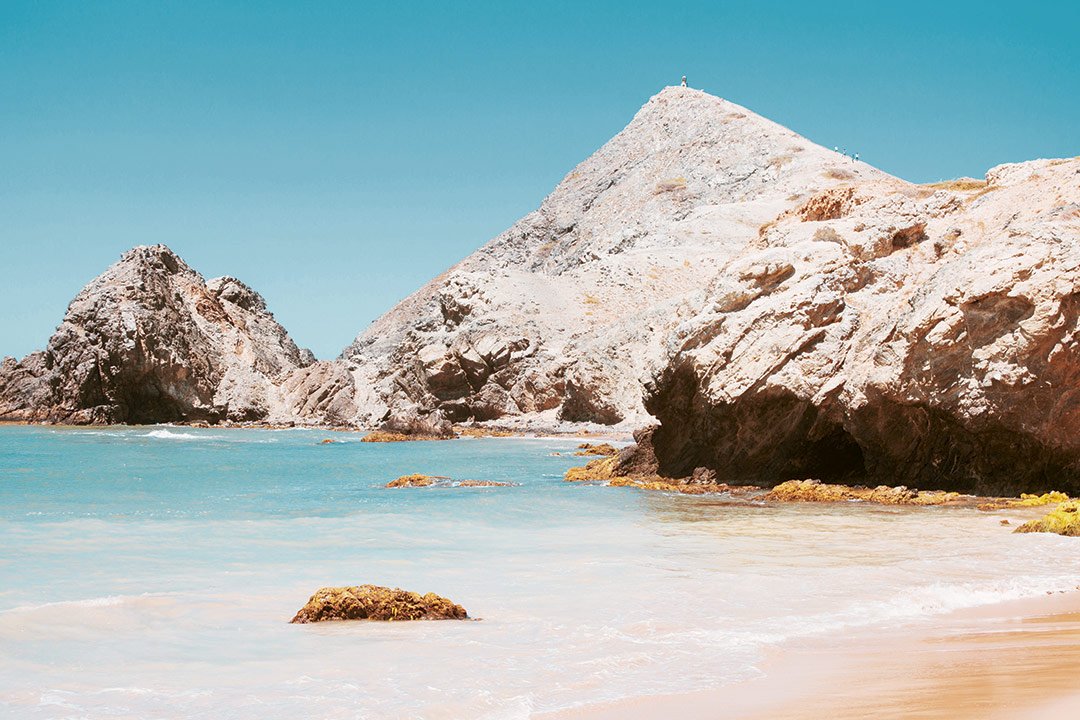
(684, 81)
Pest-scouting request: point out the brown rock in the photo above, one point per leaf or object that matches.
(599, 469)
(412, 481)
(816, 491)
(381, 436)
(1063, 520)
(603, 449)
(372, 602)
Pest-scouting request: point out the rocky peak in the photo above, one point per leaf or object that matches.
(149, 341)
(536, 319)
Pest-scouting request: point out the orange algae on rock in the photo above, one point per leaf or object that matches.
(415, 480)
(604, 449)
(478, 431)
(599, 469)
(373, 602)
(1025, 500)
(1049, 498)
(1063, 520)
(661, 484)
(816, 491)
(386, 436)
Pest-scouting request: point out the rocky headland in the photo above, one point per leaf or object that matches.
(768, 309)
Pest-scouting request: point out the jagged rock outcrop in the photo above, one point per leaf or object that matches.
(150, 341)
(564, 314)
(908, 335)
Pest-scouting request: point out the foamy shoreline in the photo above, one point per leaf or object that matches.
(1013, 659)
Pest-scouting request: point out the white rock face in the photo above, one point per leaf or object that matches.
(563, 315)
(900, 333)
(783, 312)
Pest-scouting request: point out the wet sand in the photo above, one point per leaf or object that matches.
(1019, 659)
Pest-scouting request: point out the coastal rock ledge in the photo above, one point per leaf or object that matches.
(373, 602)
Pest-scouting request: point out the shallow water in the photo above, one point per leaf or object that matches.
(151, 572)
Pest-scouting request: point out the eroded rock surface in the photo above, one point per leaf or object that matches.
(150, 341)
(905, 335)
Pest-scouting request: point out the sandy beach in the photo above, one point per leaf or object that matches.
(1019, 659)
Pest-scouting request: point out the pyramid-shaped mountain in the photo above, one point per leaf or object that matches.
(564, 313)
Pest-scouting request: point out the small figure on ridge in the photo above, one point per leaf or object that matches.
(684, 81)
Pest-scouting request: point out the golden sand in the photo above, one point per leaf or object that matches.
(1015, 660)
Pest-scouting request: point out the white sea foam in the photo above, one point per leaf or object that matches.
(587, 594)
(94, 602)
(176, 435)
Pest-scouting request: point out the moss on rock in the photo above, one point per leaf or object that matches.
(599, 469)
(416, 480)
(382, 436)
(1063, 520)
(603, 449)
(815, 491)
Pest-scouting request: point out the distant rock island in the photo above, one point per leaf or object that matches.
(781, 310)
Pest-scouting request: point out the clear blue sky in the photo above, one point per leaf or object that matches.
(337, 155)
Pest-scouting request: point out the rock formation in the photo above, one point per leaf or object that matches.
(563, 314)
(372, 602)
(783, 311)
(910, 335)
(150, 341)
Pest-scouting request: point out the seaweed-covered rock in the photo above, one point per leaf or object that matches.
(415, 480)
(603, 449)
(383, 436)
(373, 602)
(1063, 520)
(599, 469)
(816, 491)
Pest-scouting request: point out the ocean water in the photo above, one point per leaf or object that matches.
(151, 573)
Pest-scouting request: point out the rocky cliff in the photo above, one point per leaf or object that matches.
(563, 314)
(782, 311)
(150, 341)
(905, 334)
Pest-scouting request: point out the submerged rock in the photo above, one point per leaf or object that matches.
(373, 602)
(816, 491)
(1064, 520)
(482, 483)
(416, 480)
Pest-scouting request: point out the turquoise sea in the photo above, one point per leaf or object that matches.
(151, 573)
